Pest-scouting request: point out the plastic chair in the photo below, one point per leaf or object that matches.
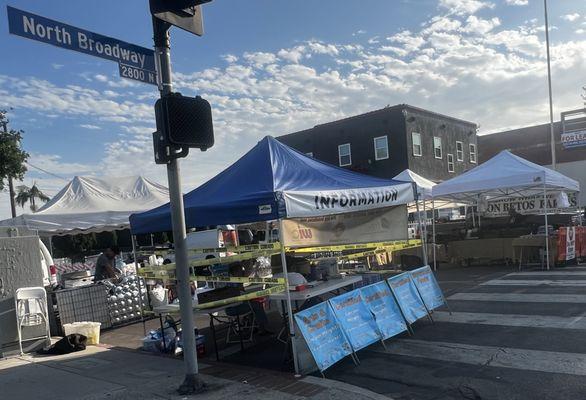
(31, 310)
(241, 319)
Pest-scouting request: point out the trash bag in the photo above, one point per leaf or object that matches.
(69, 344)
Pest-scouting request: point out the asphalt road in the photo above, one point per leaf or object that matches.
(510, 336)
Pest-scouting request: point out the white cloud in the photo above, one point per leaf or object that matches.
(57, 66)
(294, 54)
(139, 130)
(480, 26)
(90, 126)
(409, 41)
(462, 7)
(570, 17)
(517, 2)
(359, 32)
(442, 24)
(230, 58)
(260, 58)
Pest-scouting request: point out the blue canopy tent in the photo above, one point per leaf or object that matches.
(272, 182)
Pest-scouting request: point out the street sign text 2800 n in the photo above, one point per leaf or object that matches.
(45, 30)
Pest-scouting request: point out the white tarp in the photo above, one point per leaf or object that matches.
(88, 204)
(326, 202)
(504, 175)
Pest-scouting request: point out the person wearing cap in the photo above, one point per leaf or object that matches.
(106, 263)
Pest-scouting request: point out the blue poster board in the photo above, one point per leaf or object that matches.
(323, 335)
(407, 296)
(379, 299)
(355, 319)
(428, 287)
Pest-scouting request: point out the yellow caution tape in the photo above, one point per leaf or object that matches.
(237, 279)
(396, 245)
(213, 261)
(231, 259)
(244, 297)
(230, 249)
(167, 271)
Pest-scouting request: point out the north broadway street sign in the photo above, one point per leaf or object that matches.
(135, 62)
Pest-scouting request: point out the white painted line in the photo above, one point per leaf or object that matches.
(549, 273)
(529, 360)
(530, 321)
(521, 297)
(530, 282)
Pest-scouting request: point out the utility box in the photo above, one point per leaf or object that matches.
(20, 266)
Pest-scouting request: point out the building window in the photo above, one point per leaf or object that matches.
(459, 151)
(437, 147)
(450, 163)
(416, 138)
(344, 155)
(473, 153)
(310, 154)
(381, 148)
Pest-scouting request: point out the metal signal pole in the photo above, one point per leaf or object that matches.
(551, 130)
(192, 383)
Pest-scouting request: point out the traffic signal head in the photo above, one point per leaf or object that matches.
(185, 121)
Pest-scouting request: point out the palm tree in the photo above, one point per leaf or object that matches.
(26, 194)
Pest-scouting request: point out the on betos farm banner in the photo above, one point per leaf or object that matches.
(556, 203)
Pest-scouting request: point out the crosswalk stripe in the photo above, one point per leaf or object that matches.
(530, 282)
(549, 273)
(529, 321)
(530, 360)
(520, 297)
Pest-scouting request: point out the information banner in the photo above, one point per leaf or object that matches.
(323, 335)
(405, 292)
(387, 315)
(308, 203)
(356, 319)
(428, 287)
(379, 225)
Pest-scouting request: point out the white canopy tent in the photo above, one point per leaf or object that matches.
(505, 175)
(424, 188)
(88, 204)
(424, 185)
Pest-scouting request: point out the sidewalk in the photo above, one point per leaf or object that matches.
(114, 374)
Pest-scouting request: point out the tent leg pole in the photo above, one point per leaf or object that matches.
(51, 246)
(289, 308)
(433, 233)
(136, 266)
(546, 226)
(423, 247)
(425, 228)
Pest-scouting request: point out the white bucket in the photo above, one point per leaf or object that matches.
(91, 330)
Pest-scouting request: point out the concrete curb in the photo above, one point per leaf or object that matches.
(346, 387)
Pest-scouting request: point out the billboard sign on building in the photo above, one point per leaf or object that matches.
(573, 129)
(574, 139)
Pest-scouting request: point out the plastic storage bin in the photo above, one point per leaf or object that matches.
(89, 329)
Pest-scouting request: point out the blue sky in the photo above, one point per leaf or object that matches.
(272, 67)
